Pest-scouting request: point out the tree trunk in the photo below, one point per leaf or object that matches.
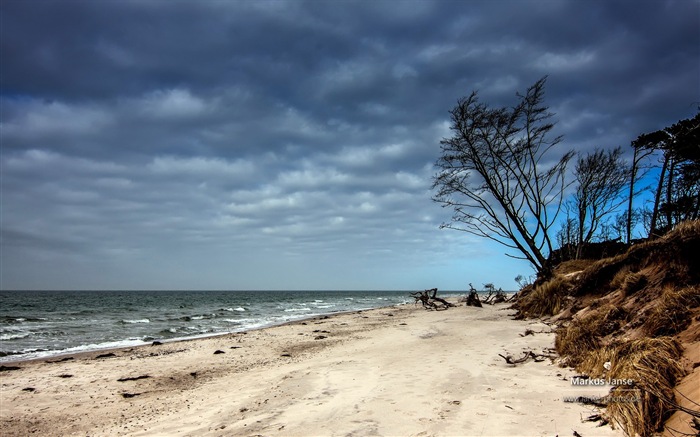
(669, 195)
(653, 230)
(633, 176)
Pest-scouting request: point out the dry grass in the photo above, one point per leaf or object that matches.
(633, 283)
(597, 278)
(573, 266)
(653, 364)
(546, 299)
(619, 279)
(675, 253)
(687, 229)
(583, 335)
(659, 282)
(672, 314)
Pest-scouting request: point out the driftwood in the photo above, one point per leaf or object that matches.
(527, 356)
(473, 300)
(429, 300)
(495, 297)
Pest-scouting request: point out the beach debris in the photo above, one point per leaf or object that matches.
(133, 378)
(286, 355)
(526, 356)
(473, 300)
(494, 296)
(29, 389)
(577, 434)
(527, 332)
(320, 337)
(9, 368)
(509, 359)
(156, 343)
(597, 418)
(65, 375)
(61, 360)
(193, 374)
(428, 299)
(219, 351)
(130, 395)
(108, 355)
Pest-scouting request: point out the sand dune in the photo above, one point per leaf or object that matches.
(399, 371)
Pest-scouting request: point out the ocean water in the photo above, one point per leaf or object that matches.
(44, 323)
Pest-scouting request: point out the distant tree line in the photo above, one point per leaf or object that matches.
(507, 180)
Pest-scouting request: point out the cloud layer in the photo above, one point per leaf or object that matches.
(273, 144)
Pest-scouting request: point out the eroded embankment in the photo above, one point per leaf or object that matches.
(633, 317)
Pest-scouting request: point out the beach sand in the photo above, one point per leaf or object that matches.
(398, 371)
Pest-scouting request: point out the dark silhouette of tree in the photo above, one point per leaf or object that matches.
(637, 172)
(677, 196)
(601, 178)
(495, 173)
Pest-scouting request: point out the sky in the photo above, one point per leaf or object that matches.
(253, 145)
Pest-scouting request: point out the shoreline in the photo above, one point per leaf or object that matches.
(396, 370)
(145, 336)
(145, 344)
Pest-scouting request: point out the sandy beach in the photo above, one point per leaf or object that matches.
(397, 371)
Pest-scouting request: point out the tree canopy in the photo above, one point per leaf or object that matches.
(494, 173)
(504, 177)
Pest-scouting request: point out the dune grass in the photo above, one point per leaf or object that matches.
(653, 365)
(584, 334)
(546, 299)
(672, 314)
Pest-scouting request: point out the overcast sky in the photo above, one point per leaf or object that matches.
(291, 144)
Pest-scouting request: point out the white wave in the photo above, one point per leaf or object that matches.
(240, 309)
(297, 309)
(17, 336)
(136, 321)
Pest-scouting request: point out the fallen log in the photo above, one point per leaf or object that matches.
(429, 299)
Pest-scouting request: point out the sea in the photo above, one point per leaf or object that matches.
(38, 324)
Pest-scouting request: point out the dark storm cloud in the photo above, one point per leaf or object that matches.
(148, 136)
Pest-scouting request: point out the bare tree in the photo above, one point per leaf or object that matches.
(494, 174)
(677, 196)
(601, 178)
(637, 172)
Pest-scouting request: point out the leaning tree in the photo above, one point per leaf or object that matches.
(500, 175)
